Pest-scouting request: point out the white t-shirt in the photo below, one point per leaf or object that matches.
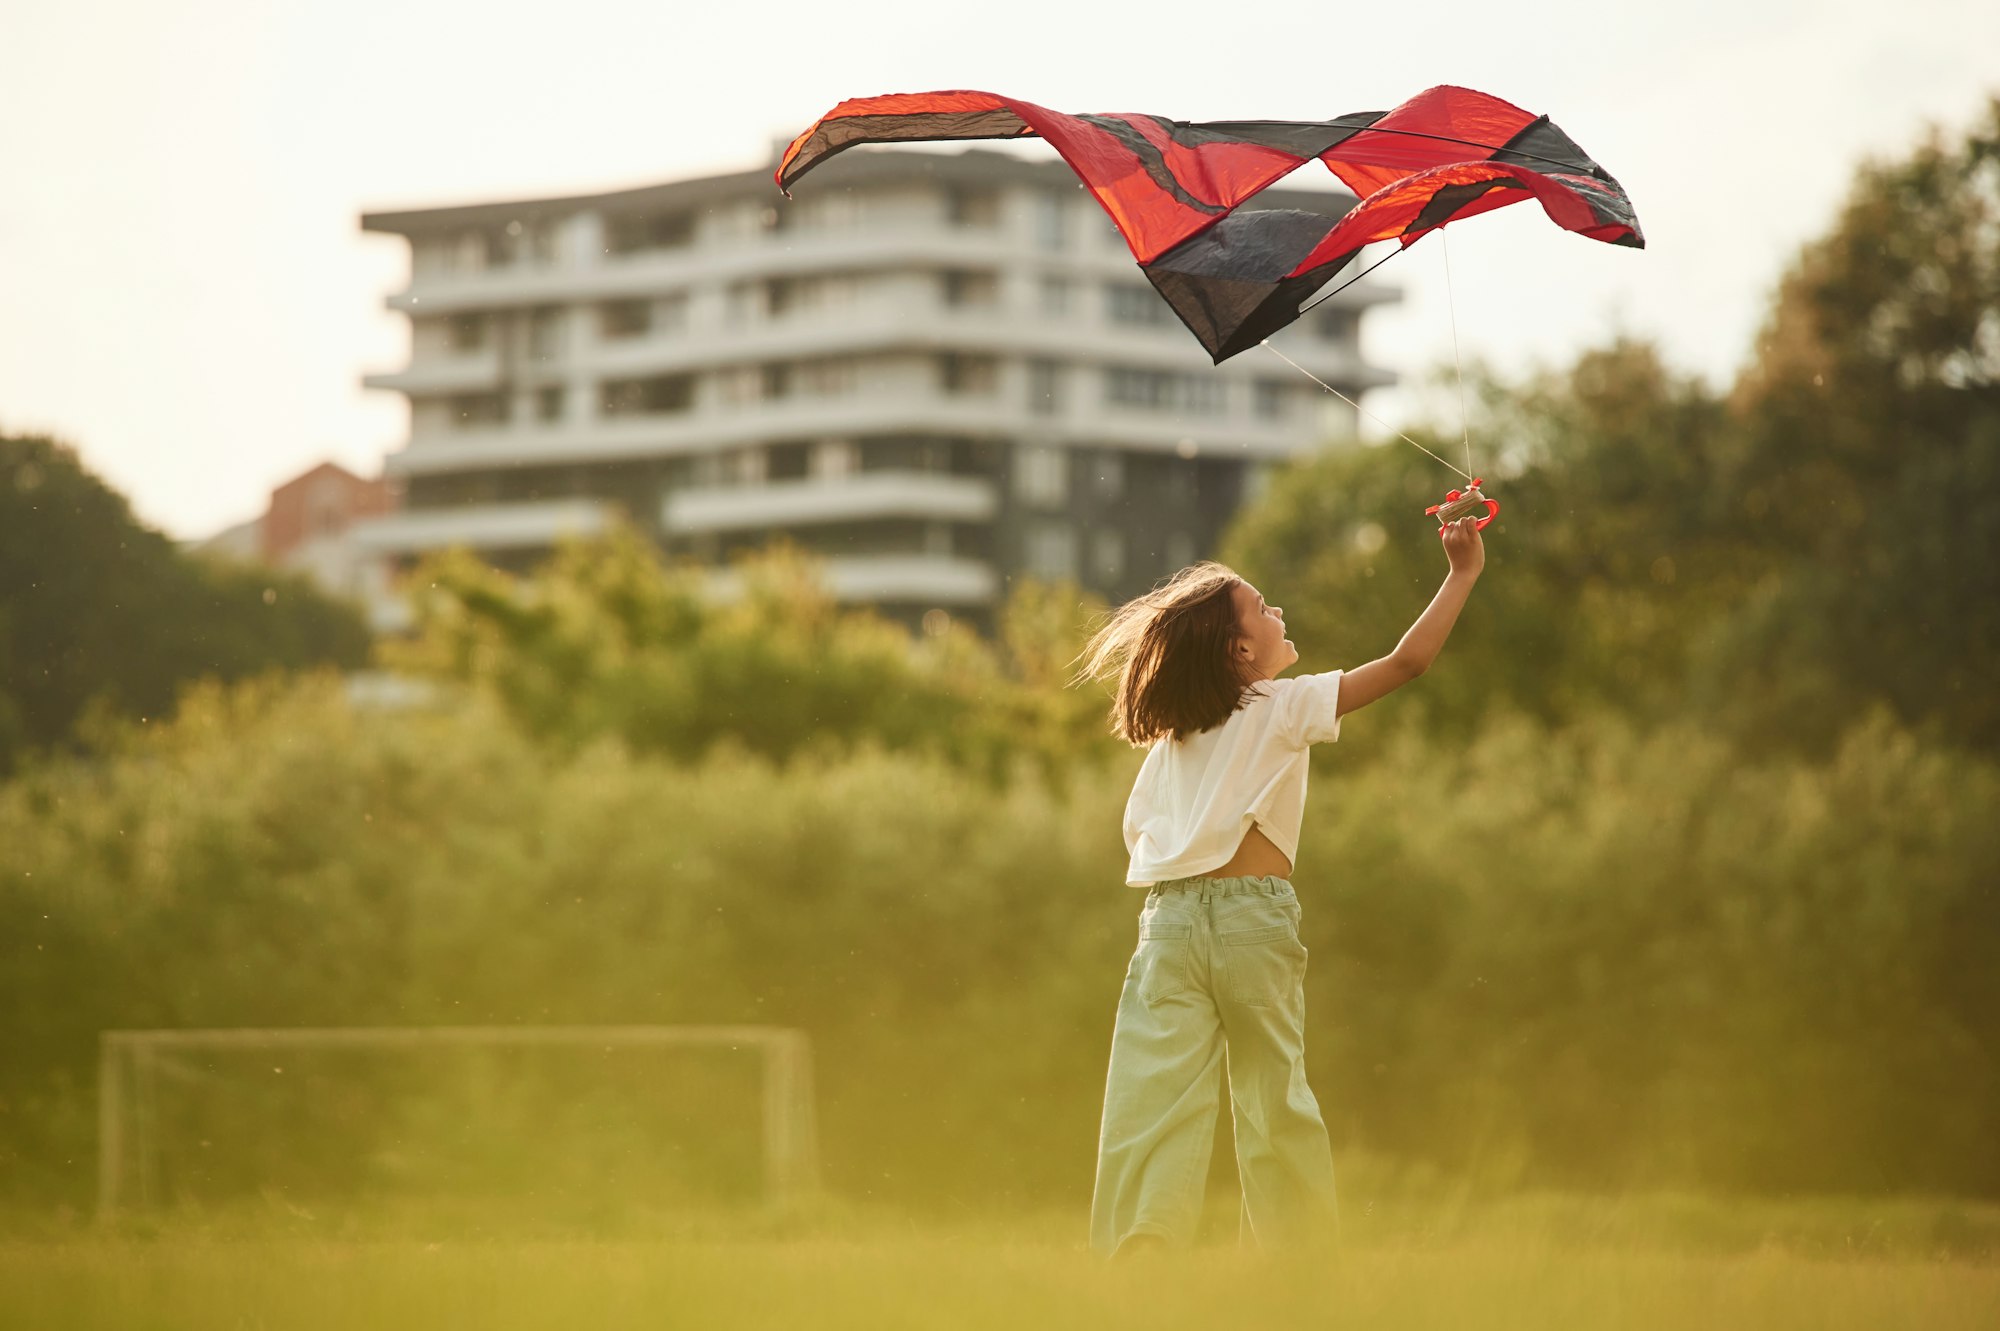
(1196, 797)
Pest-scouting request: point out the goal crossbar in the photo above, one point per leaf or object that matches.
(128, 1073)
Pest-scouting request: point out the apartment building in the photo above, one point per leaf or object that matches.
(936, 370)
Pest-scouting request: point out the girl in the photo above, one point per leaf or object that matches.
(1212, 827)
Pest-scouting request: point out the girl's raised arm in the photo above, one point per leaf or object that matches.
(1362, 685)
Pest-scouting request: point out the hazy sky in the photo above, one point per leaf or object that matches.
(186, 295)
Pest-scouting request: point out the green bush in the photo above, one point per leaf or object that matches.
(1590, 957)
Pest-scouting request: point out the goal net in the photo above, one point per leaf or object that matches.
(561, 1118)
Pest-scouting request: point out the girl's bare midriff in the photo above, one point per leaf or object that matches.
(1255, 857)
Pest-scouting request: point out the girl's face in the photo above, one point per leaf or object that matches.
(1261, 648)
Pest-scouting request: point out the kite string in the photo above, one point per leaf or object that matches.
(1451, 302)
(1266, 344)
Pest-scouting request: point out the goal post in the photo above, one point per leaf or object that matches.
(131, 1062)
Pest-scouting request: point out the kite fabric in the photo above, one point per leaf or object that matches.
(1172, 187)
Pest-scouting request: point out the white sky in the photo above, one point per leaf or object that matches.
(186, 295)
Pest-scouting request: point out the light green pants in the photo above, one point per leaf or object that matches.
(1219, 972)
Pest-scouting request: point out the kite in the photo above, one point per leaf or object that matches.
(1174, 188)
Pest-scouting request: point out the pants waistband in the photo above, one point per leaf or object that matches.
(1268, 885)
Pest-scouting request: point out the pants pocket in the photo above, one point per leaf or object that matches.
(1160, 965)
(1265, 964)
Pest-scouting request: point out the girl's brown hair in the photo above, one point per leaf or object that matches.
(1170, 652)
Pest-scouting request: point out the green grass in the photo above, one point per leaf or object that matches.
(1661, 1261)
(951, 1281)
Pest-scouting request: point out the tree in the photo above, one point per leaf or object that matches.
(99, 611)
(1823, 538)
(1606, 558)
(1870, 429)
(605, 641)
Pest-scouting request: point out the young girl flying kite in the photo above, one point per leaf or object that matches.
(1213, 827)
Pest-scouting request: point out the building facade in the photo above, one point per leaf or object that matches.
(936, 371)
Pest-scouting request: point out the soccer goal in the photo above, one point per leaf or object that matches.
(146, 1079)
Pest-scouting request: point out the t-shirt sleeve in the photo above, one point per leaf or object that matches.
(1307, 709)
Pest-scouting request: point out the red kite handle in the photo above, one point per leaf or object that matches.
(1492, 506)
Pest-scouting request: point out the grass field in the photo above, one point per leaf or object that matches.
(1534, 1262)
(952, 1282)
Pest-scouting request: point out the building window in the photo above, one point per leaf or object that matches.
(635, 233)
(429, 257)
(1339, 326)
(465, 332)
(545, 332)
(965, 375)
(473, 411)
(792, 295)
(1107, 555)
(1257, 481)
(1055, 297)
(549, 403)
(1051, 219)
(1270, 397)
(738, 385)
(834, 458)
(907, 453)
(1109, 474)
(646, 397)
(1131, 304)
(517, 241)
(964, 287)
(504, 244)
(781, 294)
(1153, 389)
(787, 461)
(1044, 387)
(823, 211)
(1041, 475)
(545, 241)
(969, 205)
(830, 377)
(1051, 550)
(466, 252)
(617, 319)
(1161, 390)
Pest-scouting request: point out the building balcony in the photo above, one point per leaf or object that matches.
(474, 373)
(879, 328)
(989, 416)
(792, 254)
(670, 271)
(861, 496)
(939, 580)
(876, 328)
(484, 527)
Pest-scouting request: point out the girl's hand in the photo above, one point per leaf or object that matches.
(1463, 545)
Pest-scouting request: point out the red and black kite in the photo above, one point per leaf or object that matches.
(1172, 186)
